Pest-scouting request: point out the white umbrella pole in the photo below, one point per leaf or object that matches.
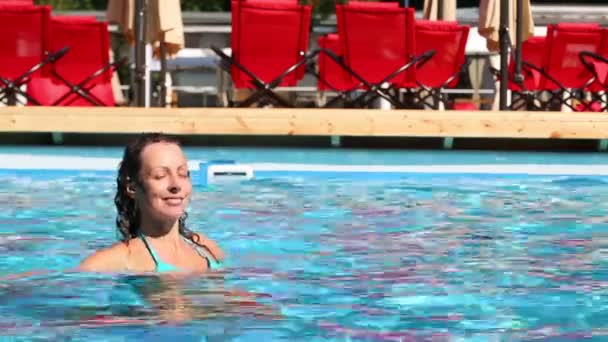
(147, 78)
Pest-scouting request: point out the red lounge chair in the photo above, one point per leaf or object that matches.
(563, 75)
(269, 48)
(448, 39)
(331, 75)
(378, 42)
(597, 65)
(526, 93)
(24, 48)
(83, 77)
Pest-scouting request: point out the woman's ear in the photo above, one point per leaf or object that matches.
(131, 188)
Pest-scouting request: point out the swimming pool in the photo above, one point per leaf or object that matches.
(431, 246)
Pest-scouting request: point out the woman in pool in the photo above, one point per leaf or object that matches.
(153, 191)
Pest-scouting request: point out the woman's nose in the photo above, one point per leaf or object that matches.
(174, 186)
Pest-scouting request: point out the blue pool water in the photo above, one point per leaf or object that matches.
(433, 257)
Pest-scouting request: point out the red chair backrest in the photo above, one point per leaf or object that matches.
(564, 43)
(377, 39)
(89, 43)
(369, 4)
(332, 75)
(449, 40)
(24, 38)
(604, 46)
(600, 67)
(267, 38)
(532, 52)
(17, 2)
(89, 51)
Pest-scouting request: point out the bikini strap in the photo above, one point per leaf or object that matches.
(202, 251)
(150, 250)
(205, 254)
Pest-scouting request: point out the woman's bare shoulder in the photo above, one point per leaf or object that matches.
(111, 259)
(211, 245)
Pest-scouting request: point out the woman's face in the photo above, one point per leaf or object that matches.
(166, 187)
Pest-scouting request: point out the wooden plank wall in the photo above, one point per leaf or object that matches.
(306, 122)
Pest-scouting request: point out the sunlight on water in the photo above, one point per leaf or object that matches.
(446, 258)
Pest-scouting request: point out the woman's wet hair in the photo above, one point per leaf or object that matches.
(127, 214)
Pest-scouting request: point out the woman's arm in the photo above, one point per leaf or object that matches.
(112, 259)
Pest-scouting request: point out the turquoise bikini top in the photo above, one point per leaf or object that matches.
(162, 266)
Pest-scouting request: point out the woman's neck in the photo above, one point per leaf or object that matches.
(164, 234)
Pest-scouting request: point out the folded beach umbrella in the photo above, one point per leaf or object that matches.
(162, 28)
(489, 21)
(439, 10)
(494, 14)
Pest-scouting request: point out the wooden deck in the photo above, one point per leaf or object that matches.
(307, 122)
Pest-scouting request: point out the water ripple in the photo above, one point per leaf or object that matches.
(413, 259)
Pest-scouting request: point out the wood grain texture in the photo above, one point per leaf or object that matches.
(310, 122)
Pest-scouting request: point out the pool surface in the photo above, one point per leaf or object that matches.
(445, 256)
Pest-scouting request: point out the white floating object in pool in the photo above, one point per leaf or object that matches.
(228, 172)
